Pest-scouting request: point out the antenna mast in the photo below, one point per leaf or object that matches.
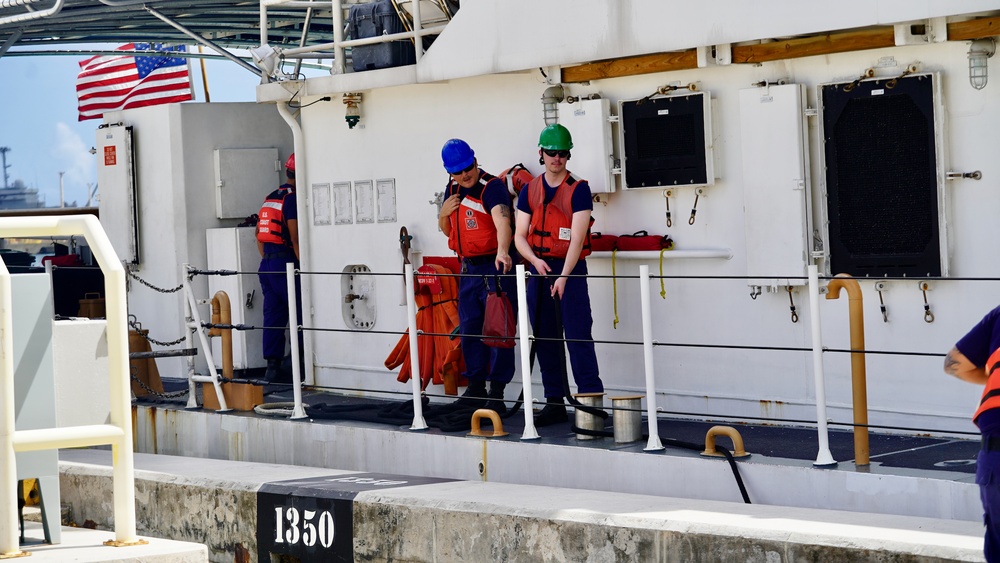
(3, 154)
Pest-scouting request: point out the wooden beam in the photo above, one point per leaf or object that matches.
(973, 29)
(830, 43)
(630, 66)
(816, 45)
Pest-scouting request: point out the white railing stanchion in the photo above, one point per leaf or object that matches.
(653, 444)
(524, 339)
(192, 402)
(8, 465)
(293, 337)
(339, 65)
(206, 347)
(418, 41)
(411, 318)
(824, 457)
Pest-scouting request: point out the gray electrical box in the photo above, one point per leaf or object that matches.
(34, 389)
(243, 177)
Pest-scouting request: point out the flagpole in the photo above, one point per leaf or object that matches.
(204, 78)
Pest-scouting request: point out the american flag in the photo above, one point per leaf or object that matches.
(117, 82)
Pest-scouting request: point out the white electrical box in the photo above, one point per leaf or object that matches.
(776, 196)
(236, 249)
(243, 177)
(593, 154)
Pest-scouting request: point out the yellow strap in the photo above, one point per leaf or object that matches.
(614, 285)
(663, 288)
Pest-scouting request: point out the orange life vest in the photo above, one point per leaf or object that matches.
(271, 219)
(551, 224)
(473, 232)
(991, 393)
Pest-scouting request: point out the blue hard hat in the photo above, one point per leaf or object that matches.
(457, 155)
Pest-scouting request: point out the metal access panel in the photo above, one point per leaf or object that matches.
(242, 178)
(667, 141)
(884, 176)
(777, 204)
(116, 174)
(34, 388)
(236, 249)
(593, 154)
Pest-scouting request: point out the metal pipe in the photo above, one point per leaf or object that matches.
(859, 390)
(33, 15)
(411, 317)
(366, 41)
(8, 463)
(418, 43)
(205, 345)
(293, 333)
(823, 458)
(263, 24)
(71, 437)
(524, 339)
(206, 42)
(8, 44)
(123, 474)
(222, 314)
(192, 402)
(654, 443)
(303, 204)
(302, 40)
(339, 66)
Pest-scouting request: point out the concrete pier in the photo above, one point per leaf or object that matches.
(251, 509)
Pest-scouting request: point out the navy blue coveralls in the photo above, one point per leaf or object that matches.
(577, 318)
(275, 286)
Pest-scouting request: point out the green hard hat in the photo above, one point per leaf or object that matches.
(555, 137)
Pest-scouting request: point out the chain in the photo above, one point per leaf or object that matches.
(134, 323)
(142, 384)
(153, 287)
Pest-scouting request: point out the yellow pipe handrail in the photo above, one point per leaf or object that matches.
(859, 390)
(732, 433)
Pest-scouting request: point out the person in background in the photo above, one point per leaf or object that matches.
(975, 358)
(278, 244)
(476, 216)
(552, 233)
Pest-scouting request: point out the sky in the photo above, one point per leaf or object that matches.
(38, 119)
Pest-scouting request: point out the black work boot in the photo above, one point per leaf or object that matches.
(496, 397)
(474, 396)
(273, 373)
(554, 412)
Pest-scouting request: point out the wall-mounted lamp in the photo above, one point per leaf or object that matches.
(979, 53)
(552, 96)
(352, 114)
(266, 59)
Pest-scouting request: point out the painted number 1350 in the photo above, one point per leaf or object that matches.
(309, 529)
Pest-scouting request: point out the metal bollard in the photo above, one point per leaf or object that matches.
(585, 420)
(627, 418)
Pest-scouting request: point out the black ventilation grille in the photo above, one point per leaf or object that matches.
(882, 178)
(664, 141)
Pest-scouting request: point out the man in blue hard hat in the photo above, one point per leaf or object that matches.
(553, 234)
(278, 244)
(477, 218)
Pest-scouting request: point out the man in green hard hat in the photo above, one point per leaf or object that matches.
(553, 233)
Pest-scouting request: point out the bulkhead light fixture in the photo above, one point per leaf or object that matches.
(553, 95)
(979, 53)
(352, 114)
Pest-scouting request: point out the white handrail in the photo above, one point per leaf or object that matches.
(654, 443)
(524, 338)
(123, 474)
(824, 457)
(293, 332)
(411, 317)
(213, 378)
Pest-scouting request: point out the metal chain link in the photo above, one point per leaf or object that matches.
(174, 395)
(151, 286)
(138, 328)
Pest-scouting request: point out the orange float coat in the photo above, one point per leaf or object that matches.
(440, 356)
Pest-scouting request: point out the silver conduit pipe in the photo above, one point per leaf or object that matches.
(31, 15)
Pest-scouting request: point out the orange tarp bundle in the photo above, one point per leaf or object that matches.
(437, 313)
